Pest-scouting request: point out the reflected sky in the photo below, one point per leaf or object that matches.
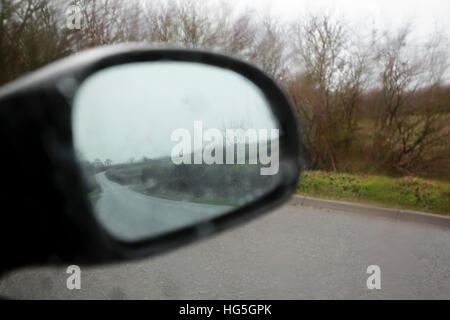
(131, 110)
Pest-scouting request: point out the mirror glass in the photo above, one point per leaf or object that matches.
(166, 145)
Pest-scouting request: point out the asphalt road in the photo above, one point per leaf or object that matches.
(291, 253)
(131, 215)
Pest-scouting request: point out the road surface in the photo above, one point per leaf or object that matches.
(130, 215)
(290, 253)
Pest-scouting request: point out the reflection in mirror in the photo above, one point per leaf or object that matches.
(165, 145)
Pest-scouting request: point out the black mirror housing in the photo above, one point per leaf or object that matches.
(50, 219)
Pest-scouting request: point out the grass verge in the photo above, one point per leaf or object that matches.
(185, 197)
(94, 195)
(406, 193)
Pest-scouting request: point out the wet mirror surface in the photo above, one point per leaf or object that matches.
(165, 145)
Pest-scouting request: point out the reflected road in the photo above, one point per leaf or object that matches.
(130, 215)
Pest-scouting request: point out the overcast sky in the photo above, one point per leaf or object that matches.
(425, 15)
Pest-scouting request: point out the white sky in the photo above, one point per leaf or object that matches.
(425, 15)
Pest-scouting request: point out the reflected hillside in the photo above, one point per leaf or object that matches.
(219, 184)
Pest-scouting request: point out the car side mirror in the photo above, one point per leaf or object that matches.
(151, 148)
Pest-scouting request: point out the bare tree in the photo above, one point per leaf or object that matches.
(327, 88)
(30, 36)
(411, 116)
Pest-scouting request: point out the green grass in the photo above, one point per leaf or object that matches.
(94, 195)
(406, 193)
